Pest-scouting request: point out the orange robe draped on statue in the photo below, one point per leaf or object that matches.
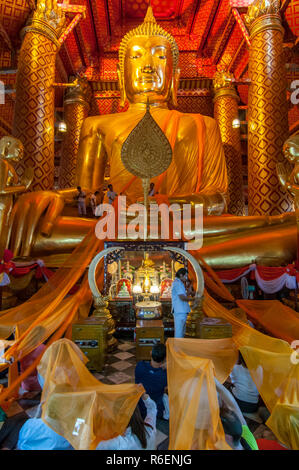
(198, 163)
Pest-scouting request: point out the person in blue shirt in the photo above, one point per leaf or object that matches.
(24, 433)
(153, 376)
(180, 302)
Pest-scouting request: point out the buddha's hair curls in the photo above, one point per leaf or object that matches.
(149, 27)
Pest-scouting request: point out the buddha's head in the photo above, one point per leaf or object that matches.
(148, 64)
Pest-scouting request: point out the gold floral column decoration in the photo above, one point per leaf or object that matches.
(225, 111)
(267, 109)
(76, 108)
(34, 109)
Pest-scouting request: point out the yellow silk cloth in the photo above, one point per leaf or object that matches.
(194, 422)
(278, 319)
(40, 316)
(48, 315)
(273, 368)
(76, 405)
(198, 163)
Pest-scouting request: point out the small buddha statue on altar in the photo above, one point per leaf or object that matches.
(147, 271)
(147, 263)
(11, 150)
(123, 292)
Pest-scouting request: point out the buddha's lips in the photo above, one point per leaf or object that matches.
(146, 80)
(150, 78)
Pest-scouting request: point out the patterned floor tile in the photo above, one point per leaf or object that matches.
(126, 346)
(124, 355)
(111, 359)
(131, 372)
(34, 411)
(98, 376)
(160, 437)
(119, 377)
(121, 365)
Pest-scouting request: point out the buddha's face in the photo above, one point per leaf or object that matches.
(148, 69)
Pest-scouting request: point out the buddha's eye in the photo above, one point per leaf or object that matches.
(135, 54)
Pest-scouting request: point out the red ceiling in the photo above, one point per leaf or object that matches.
(205, 30)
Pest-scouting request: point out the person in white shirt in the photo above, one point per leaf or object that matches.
(140, 434)
(81, 196)
(111, 194)
(244, 389)
(93, 201)
(180, 305)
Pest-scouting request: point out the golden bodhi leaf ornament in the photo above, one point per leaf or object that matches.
(146, 152)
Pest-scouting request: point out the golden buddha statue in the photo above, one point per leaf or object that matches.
(11, 150)
(147, 274)
(148, 70)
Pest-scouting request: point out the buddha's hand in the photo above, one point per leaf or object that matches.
(69, 195)
(212, 203)
(283, 175)
(31, 210)
(27, 177)
(50, 12)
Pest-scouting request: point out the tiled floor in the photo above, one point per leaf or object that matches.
(120, 368)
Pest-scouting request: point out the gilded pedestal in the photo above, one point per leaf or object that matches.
(194, 317)
(267, 110)
(101, 311)
(34, 109)
(76, 108)
(225, 111)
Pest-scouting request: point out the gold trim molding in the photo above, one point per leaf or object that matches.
(266, 22)
(41, 27)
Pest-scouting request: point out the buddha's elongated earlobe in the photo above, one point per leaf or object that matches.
(174, 87)
(123, 96)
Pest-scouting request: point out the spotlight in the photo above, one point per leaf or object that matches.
(236, 123)
(62, 127)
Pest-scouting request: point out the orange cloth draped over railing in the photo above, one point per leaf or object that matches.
(212, 281)
(275, 317)
(51, 310)
(273, 368)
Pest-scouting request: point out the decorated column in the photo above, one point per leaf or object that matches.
(267, 110)
(34, 109)
(76, 108)
(225, 112)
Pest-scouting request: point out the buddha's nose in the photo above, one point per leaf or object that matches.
(148, 68)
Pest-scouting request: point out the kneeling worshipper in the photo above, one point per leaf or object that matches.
(78, 411)
(244, 389)
(153, 376)
(140, 434)
(196, 397)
